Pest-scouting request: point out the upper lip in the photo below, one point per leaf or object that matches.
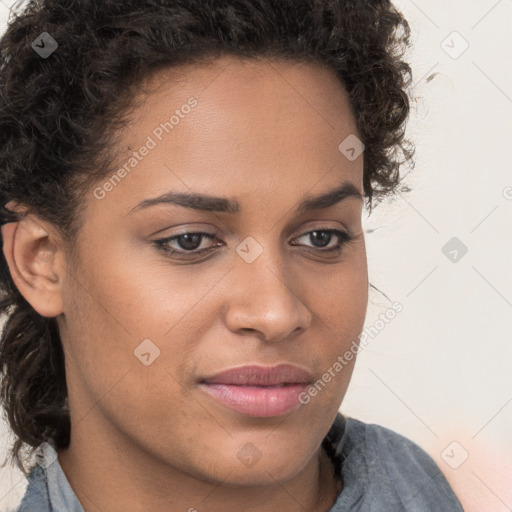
(254, 375)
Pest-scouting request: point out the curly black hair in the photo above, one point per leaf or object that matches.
(60, 115)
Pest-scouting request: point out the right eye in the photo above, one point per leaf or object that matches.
(188, 243)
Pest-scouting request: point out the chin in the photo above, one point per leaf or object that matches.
(260, 475)
(251, 466)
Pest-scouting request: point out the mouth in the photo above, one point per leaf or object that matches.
(254, 375)
(262, 401)
(258, 391)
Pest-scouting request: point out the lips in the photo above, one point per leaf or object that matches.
(258, 390)
(253, 375)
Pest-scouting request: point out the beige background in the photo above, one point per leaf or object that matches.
(440, 372)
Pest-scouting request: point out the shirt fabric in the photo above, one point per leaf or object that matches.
(382, 471)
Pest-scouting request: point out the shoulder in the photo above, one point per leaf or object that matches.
(36, 496)
(387, 448)
(390, 467)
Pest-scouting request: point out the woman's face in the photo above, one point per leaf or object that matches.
(142, 328)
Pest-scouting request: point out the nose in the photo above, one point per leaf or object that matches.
(264, 297)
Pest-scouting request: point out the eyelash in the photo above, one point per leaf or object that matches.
(344, 238)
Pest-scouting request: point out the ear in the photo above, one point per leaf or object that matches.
(33, 253)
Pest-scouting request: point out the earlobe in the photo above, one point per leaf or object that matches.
(32, 257)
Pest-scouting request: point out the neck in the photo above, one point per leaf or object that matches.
(114, 476)
(329, 484)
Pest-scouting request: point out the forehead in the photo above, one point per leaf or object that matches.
(244, 98)
(234, 127)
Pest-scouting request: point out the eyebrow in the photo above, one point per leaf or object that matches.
(224, 205)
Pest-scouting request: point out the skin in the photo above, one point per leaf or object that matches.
(147, 437)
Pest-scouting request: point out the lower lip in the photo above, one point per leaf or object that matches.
(257, 400)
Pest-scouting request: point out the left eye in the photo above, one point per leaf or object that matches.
(343, 238)
(189, 242)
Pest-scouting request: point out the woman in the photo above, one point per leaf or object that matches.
(182, 185)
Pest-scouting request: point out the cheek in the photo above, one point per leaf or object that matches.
(126, 312)
(132, 299)
(341, 303)
(339, 296)
(107, 330)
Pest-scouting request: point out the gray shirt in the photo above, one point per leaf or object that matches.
(382, 471)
